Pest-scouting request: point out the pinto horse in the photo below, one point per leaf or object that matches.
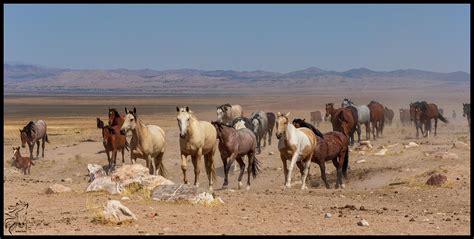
(342, 120)
(377, 118)
(296, 145)
(333, 146)
(234, 145)
(424, 112)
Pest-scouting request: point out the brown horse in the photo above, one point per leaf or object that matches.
(271, 118)
(424, 112)
(377, 117)
(20, 162)
(342, 120)
(333, 146)
(404, 117)
(115, 118)
(113, 141)
(234, 145)
(389, 114)
(316, 117)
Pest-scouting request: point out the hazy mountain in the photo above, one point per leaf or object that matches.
(30, 78)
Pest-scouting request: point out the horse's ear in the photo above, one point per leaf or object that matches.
(126, 111)
(187, 109)
(287, 114)
(177, 109)
(19, 130)
(134, 110)
(278, 114)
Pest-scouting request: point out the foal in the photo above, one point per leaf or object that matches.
(113, 141)
(20, 162)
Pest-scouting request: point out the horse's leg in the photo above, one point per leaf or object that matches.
(259, 150)
(270, 132)
(265, 139)
(242, 170)
(123, 155)
(436, 125)
(322, 167)
(249, 168)
(285, 167)
(109, 161)
(367, 130)
(336, 164)
(294, 158)
(226, 172)
(195, 159)
(37, 148)
(184, 166)
(300, 166)
(208, 162)
(359, 131)
(114, 159)
(374, 124)
(43, 141)
(305, 172)
(151, 162)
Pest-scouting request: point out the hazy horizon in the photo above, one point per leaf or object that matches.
(243, 37)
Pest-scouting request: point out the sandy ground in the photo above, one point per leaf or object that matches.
(409, 208)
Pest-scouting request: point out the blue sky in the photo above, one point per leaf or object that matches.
(278, 38)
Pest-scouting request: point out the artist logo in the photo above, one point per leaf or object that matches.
(16, 219)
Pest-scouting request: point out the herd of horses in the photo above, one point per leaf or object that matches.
(237, 136)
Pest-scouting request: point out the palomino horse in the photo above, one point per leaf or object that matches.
(466, 111)
(294, 145)
(389, 114)
(424, 112)
(271, 124)
(342, 120)
(333, 146)
(361, 115)
(196, 138)
(405, 117)
(226, 113)
(260, 128)
(316, 117)
(235, 144)
(148, 142)
(32, 133)
(377, 118)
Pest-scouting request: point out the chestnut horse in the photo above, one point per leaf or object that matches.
(113, 141)
(342, 120)
(20, 162)
(389, 114)
(115, 118)
(333, 146)
(424, 112)
(271, 124)
(377, 118)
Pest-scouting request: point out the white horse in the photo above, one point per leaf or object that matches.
(196, 138)
(226, 113)
(148, 142)
(295, 144)
(363, 114)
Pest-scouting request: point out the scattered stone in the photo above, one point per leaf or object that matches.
(116, 212)
(448, 219)
(271, 153)
(436, 179)
(327, 215)
(129, 171)
(125, 198)
(57, 188)
(184, 192)
(361, 161)
(447, 155)
(363, 223)
(461, 145)
(361, 153)
(412, 219)
(382, 152)
(393, 145)
(411, 145)
(148, 182)
(95, 171)
(103, 184)
(366, 142)
(66, 180)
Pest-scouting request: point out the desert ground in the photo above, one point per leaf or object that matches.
(407, 207)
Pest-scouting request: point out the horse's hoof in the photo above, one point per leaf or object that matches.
(304, 187)
(240, 185)
(343, 186)
(211, 189)
(247, 188)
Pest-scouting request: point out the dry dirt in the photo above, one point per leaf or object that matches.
(407, 208)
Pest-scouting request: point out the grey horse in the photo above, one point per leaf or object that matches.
(260, 128)
(363, 115)
(32, 133)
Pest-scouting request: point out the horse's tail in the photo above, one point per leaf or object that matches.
(442, 118)
(127, 146)
(255, 166)
(345, 164)
(211, 168)
(46, 138)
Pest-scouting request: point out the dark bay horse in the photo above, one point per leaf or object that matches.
(234, 145)
(466, 111)
(424, 113)
(377, 118)
(32, 133)
(389, 114)
(115, 118)
(114, 142)
(333, 146)
(342, 121)
(271, 118)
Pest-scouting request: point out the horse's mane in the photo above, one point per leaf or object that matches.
(29, 128)
(423, 105)
(116, 113)
(373, 102)
(224, 106)
(303, 123)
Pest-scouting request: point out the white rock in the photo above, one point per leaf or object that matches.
(381, 152)
(363, 223)
(129, 171)
(95, 171)
(103, 184)
(411, 145)
(361, 161)
(461, 145)
(67, 180)
(327, 215)
(115, 211)
(125, 198)
(57, 188)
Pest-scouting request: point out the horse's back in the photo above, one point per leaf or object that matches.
(363, 112)
(271, 119)
(310, 136)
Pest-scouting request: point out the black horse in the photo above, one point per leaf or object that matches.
(303, 123)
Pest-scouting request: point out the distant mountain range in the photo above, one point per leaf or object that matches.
(20, 78)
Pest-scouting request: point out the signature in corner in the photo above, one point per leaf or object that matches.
(16, 217)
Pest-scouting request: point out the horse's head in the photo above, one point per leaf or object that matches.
(346, 102)
(281, 124)
(329, 109)
(412, 111)
(256, 123)
(16, 154)
(130, 122)
(298, 122)
(183, 120)
(24, 137)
